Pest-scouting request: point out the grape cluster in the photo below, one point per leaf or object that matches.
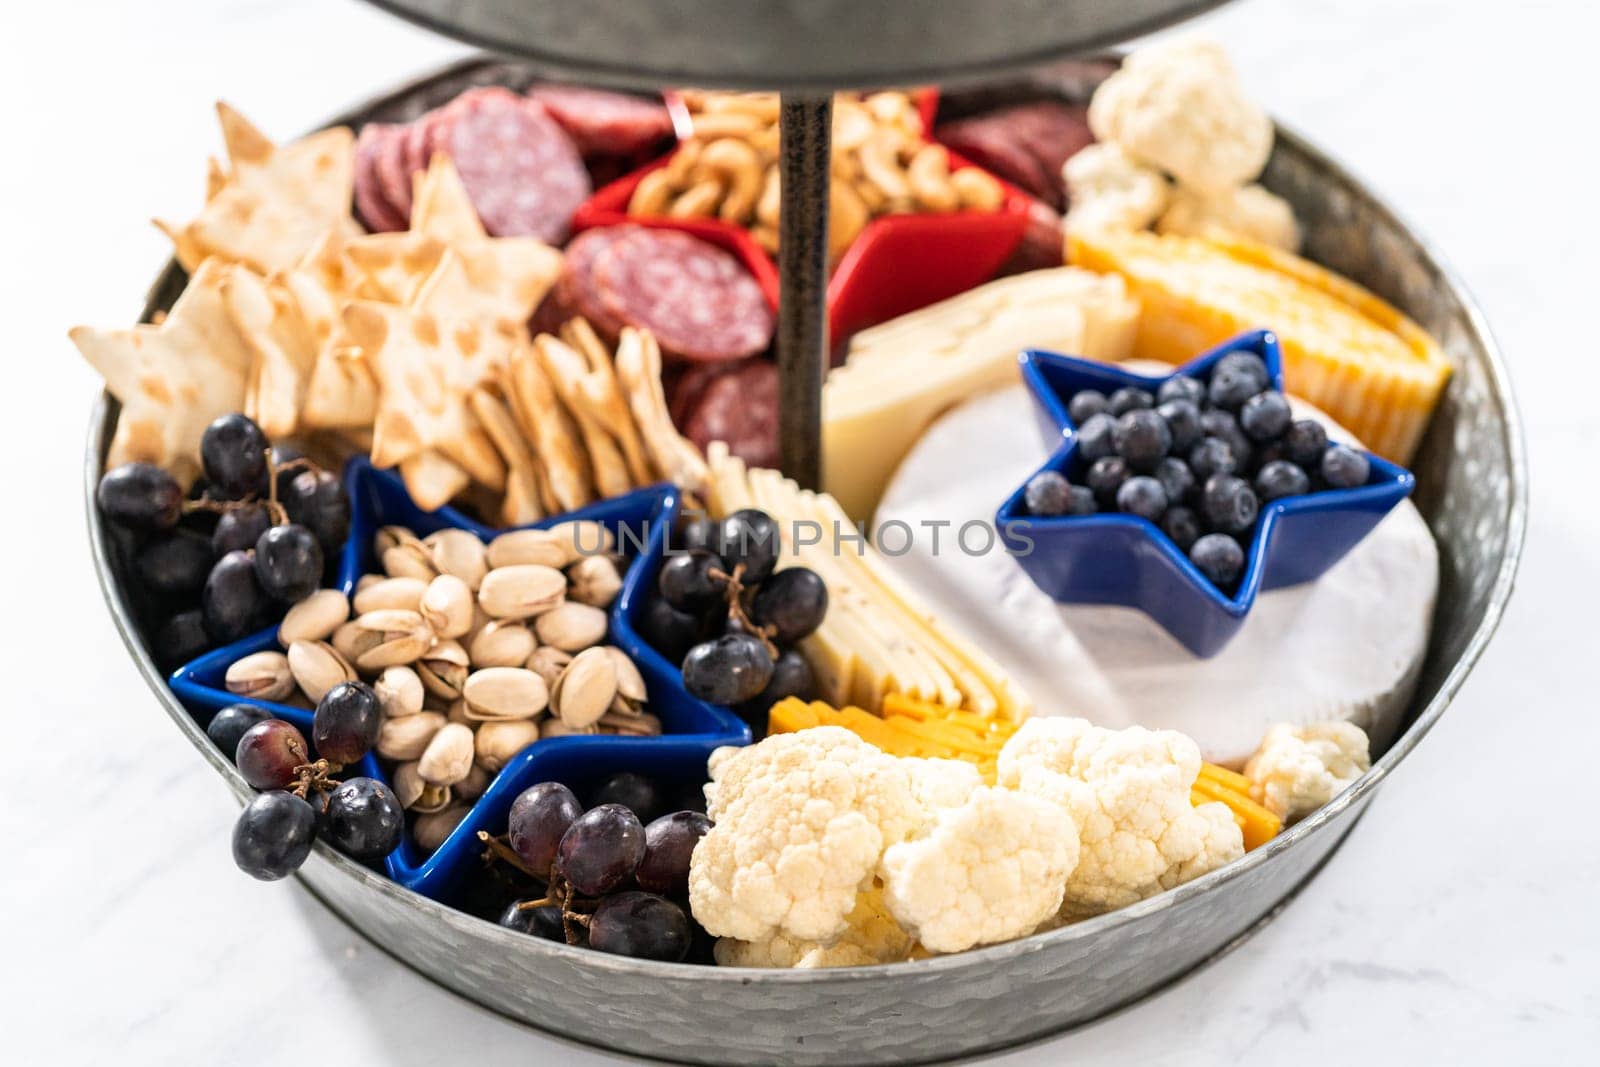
(260, 530)
(299, 800)
(730, 618)
(1198, 458)
(614, 875)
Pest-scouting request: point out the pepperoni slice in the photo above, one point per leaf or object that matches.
(373, 210)
(520, 168)
(603, 123)
(740, 407)
(702, 304)
(394, 176)
(576, 291)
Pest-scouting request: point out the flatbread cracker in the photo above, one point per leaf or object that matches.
(603, 397)
(674, 456)
(521, 503)
(550, 429)
(566, 369)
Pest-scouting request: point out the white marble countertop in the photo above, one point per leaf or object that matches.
(1457, 925)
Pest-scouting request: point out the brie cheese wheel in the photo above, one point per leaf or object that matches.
(1346, 646)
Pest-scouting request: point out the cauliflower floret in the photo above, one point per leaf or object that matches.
(1178, 105)
(1106, 189)
(1128, 793)
(990, 870)
(1250, 212)
(1298, 769)
(801, 821)
(941, 783)
(871, 936)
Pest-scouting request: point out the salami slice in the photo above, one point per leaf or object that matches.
(374, 211)
(740, 408)
(520, 168)
(394, 176)
(603, 123)
(689, 382)
(576, 291)
(417, 150)
(702, 304)
(990, 144)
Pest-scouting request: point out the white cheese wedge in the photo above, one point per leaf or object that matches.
(903, 374)
(1347, 646)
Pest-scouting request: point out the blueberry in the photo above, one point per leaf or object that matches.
(1265, 416)
(1248, 364)
(1281, 478)
(1181, 388)
(1084, 405)
(1095, 437)
(1304, 442)
(1345, 468)
(1142, 438)
(1129, 398)
(1212, 456)
(1047, 493)
(1176, 478)
(1221, 424)
(1182, 525)
(1228, 504)
(1106, 476)
(1219, 558)
(1229, 390)
(1080, 501)
(1142, 496)
(1183, 422)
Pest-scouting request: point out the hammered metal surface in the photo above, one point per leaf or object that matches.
(1472, 488)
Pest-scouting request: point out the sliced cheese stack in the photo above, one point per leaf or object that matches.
(900, 376)
(877, 638)
(1346, 351)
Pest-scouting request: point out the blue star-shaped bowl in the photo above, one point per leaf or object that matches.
(691, 728)
(1113, 558)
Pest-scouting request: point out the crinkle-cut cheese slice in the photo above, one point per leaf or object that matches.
(905, 373)
(876, 639)
(1345, 350)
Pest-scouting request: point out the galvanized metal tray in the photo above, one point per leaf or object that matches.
(1472, 487)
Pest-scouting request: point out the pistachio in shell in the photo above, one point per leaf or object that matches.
(402, 594)
(571, 627)
(399, 691)
(318, 667)
(407, 737)
(522, 591)
(448, 757)
(403, 637)
(447, 605)
(496, 743)
(502, 643)
(548, 662)
(594, 580)
(542, 547)
(314, 618)
(430, 829)
(260, 675)
(443, 669)
(505, 693)
(458, 553)
(585, 689)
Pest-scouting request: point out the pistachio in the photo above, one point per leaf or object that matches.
(459, 554)
(548, 663)
(318, 667)
(497, 742)
(594, 580)
(502, 644)
(522, 591)
(583, 537)
(571, 627)
(480, 619)
(261, 675)
(352, 641)
(630, 683)
(366, 581)
(407, 737)
(553, 727)
(634, 724)
(434, 798)
(585, 689)
(477, 780)
(402, 637)
(389, 537)
(447, 605)
(448, 757)
(505, 693)
(543, 547)
(408, 561)
(430, 830)
(399, 691)
(314, 618)
(443, 669)
(408, 784)
(404, 594)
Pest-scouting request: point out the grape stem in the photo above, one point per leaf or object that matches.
(496, 848)
(314, 776)
(736, 609)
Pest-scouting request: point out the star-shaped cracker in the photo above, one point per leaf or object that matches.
(268, 318)
(427, 363)
(273, 203)
(172, 379)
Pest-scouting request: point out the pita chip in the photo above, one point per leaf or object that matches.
(603, 398)
(566, 484)
(565, 368)
(638, 366)
(172, 379)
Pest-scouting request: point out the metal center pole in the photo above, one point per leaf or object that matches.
(806, 133)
